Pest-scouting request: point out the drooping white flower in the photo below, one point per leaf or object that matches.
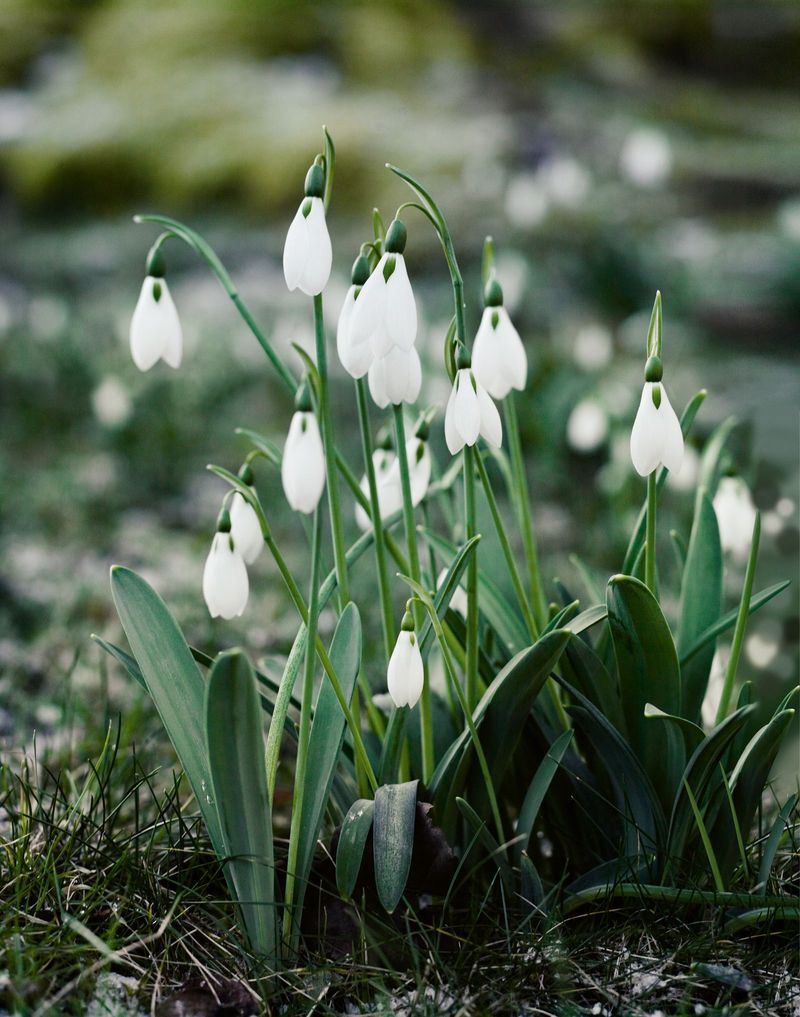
(458, 602)
(470, 413)
(225, 583)
(155, 327)
(246, 529)
(498, 356)
(736, 515)
(355, 357)
(307, 254)
(405, 675)
(418, 455)
(303, 465)
(656, 437)
(387, 481)
(395, 378)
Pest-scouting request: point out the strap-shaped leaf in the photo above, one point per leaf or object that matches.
(127, 661)
(537, 789)
(590, 675)
(352, 840)
(173, 680)
(239, 781)
(393, 839)
(327, 734)
(728, 620)
(493, 848)
(701, 603)
(781, 823)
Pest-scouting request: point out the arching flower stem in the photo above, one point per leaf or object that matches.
(425, 711)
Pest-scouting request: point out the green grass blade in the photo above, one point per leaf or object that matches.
(352, 841)
(393, 839)
(239, 780)
(173, 680)
(701, 826)
(773, 842)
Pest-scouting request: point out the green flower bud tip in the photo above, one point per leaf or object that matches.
(653, 369)
(315, 182)
(246, 474)
(407, 624)
(396, 237)
(463, 359)
(224, 521)
(156, 265)
(360, 271)
(493, 293)
(302, 399)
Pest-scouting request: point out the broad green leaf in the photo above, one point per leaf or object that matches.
(537, 789)
(239, 781)
(648, 670)
(701, 603)
(174, 682)
(590, 675)
(393, 839)
(728, 620)
(327, 734)
(352, 840)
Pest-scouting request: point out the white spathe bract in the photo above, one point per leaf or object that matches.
(405, 676)
(395, 378)
(225, 584)
(307, 254)
(470, 413)
(155, 327)
(736, 514)
(355, 358)
(246, 529)
(498, 356)
(303, 466)
(656, 437)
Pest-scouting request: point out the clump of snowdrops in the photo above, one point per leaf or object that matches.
(561, 745)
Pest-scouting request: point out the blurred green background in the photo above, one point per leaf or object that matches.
(609, 148)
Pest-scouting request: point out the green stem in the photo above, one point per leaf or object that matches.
(650, 540)
(425, 710)
(741, 623)
(291, 920)
(522, 503)
(337, 531)
(472, 580)
(377, 523)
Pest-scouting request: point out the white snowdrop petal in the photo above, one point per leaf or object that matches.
(369, 310)
(396, 373)
(303, 465)
(513, 358)
(405, 676)
(672, 436)
(246, 529)
(414, 376)
(646, 435)
(377, 384)
(225, 583)
(454, 440)
(490, 424)
(466, 410)
(419, 468)
(380, 341)
(485, 362)
(295, 249)
(147, 333)
(400, 315)
(355, 358)
(317, 269)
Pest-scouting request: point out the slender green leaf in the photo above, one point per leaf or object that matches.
(393, 839)
(124, 658)
(711, 460)
(173, 680)
(537, 789)
(352, 840)
(266, 446)
(239, 781)
(728, 620)
(701, 826)
(495, 850)
(590, 675)
(780, 825)
(446, 590)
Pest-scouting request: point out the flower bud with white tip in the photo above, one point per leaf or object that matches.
(303, 465)
(245, 526)
(356, 357)
(307, 254)
(470, 411)
(405, 675)
(656, 438)
(155, 332)
(225, 583)
(498, 356)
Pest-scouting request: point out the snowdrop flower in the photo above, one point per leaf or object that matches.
(225, 584)
(405, 676)
(736, 514)
(355, 358)
(387, 481)
(307, 252)
(498, 356)
(245, 527)
(384, 316)
(470, 411)
(303, 465)
(656, 438)
(155, 332)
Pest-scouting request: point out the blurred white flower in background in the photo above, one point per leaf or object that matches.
(593, 347)
(565, 181)
(458, 602)
(789, 218)
(736, 514)
(685, 479)
(526, 201)
(762, 646)
(646, 157)
(111, 402)
(587, 427)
